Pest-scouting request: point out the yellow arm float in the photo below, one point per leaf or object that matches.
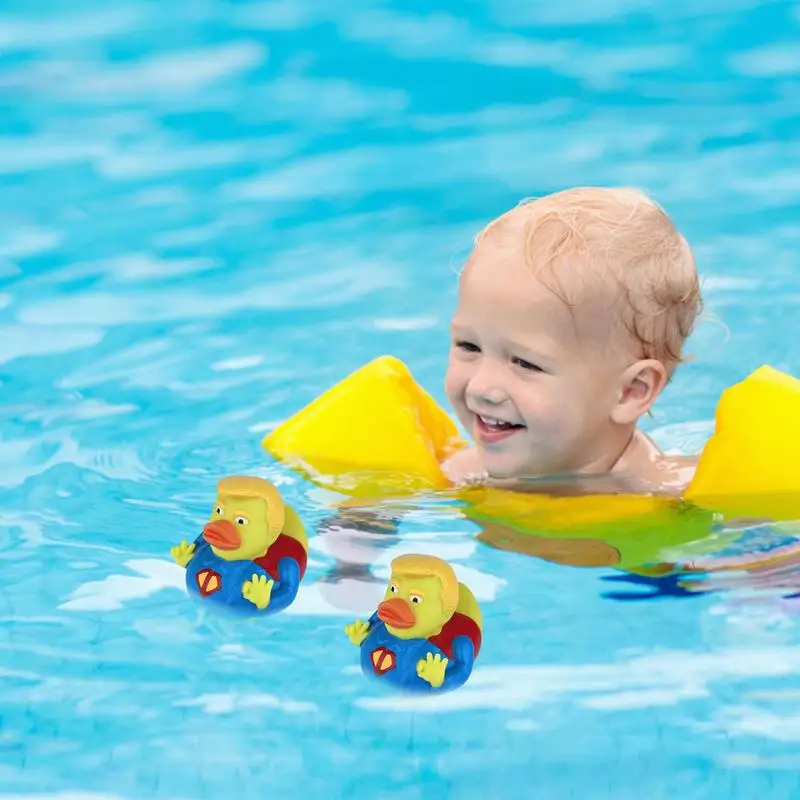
(378, 434)
(751, 465)
(375, 434)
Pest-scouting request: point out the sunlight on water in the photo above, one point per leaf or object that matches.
(211, 212)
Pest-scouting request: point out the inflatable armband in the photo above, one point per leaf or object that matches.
(751, 464)
(376, 433)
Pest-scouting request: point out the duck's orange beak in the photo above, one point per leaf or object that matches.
(397, 613)
(222, 535)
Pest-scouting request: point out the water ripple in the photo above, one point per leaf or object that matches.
(213, 211)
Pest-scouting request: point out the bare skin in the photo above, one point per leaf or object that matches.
(567, 383)
(551, 391)
(641, 469)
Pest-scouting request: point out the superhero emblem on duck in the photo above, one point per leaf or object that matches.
(426, 634)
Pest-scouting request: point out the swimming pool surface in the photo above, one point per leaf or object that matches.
(210, 212)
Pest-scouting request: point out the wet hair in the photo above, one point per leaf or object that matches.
(631, 263)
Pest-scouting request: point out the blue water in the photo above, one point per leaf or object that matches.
(209, 213)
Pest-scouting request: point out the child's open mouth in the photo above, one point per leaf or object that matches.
(491, 430)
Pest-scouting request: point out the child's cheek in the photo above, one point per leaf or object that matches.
(454, 385)
(547, 419)
(450, 383)
(541, 410)
(455, 381)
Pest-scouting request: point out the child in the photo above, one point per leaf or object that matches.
(572, 313)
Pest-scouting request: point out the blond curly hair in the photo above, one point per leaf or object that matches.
(618, 250)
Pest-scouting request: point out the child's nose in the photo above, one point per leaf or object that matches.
(486, 386)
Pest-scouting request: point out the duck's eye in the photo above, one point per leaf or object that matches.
(218, 510)
(393, 589)
(415, 598)
(241, 520)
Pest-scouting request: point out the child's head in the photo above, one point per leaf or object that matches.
(572, 313)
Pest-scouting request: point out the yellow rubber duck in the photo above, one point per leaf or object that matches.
(252, 553)
(427, 632)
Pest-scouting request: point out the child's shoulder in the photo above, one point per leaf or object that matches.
(642, 469)
(647, 469)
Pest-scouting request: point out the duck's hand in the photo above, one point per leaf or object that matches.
(258, 591)
(357, 632)
(432, 669)
(183, 553)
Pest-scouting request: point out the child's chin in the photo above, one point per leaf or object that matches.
(499, 468)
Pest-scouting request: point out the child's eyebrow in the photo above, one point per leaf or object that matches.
(547, 354)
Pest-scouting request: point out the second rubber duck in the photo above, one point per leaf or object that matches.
(426, 634)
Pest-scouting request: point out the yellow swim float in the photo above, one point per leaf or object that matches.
(375, 434)
(378, 434)
(751, 464)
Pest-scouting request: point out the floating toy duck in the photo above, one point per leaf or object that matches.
(252, 553)
(426, 634)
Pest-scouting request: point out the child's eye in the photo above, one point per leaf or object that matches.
(527, 365)
(469, 347)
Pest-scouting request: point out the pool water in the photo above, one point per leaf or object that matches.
(212, 211)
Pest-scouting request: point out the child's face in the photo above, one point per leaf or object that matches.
(526, 377)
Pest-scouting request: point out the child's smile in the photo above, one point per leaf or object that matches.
(491, 430)
(526, 375)
(572, 311)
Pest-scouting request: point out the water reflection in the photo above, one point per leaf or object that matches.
(762, 562)
(355, 537)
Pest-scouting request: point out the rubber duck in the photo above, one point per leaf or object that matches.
(252, 553)
(426, 633)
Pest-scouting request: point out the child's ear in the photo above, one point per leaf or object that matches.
(641, 384)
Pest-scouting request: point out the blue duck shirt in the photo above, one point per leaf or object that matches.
(394, 660)
(210, 576)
